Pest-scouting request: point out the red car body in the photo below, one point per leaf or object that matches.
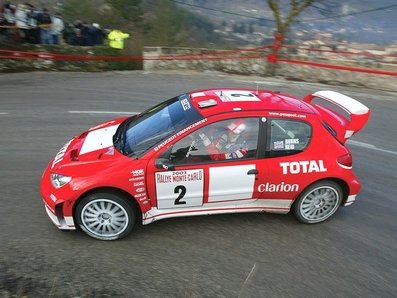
(297, 160)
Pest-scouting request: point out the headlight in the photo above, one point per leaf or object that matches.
(58, 180)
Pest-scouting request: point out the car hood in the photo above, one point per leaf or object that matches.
(93, 145)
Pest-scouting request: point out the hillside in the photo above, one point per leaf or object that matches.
(376, 26)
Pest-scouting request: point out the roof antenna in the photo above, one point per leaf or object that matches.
(257, 89)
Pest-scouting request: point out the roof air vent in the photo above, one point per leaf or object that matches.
(207, 103)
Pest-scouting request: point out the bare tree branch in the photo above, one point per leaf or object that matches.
(276, 11)
(296, 7)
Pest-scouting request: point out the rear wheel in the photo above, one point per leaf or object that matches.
(105, 216)
(318, 202)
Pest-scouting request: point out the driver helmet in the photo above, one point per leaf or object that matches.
(236, 128)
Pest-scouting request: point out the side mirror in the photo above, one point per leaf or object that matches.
(165, 164)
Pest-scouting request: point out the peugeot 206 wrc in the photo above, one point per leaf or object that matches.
(208, 152)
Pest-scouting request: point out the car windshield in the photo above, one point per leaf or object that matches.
(138, 134)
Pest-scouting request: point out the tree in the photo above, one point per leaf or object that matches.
(130, 10)
(283, 17)
(284, 22)
(170, 26)
(79, 9)
(93, 12)
(163, 27)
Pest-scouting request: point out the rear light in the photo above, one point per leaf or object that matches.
(345, 161)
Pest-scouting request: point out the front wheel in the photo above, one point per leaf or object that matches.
(105, 216)
(318, 202)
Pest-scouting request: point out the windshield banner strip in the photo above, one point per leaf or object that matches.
(173, 137)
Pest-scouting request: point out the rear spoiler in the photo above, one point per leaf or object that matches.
(344, 128)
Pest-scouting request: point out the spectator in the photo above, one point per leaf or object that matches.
(87, 34)
(98, 34)
(3, 30)
(21, 21)
(44, 21)
(9, 14)
(116, 39)
(77, 39)
(57, 28)
(7, 21)
(34, 30)
(68, 33)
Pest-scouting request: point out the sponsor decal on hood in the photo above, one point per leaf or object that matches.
(99, 139)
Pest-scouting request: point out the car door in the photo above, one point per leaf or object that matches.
(194, 173)
(287, 159)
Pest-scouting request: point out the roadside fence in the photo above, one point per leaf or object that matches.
(275, 53)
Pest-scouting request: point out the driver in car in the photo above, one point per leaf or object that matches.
(228, 145)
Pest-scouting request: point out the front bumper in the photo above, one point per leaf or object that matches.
(350, 200)
(62, 222)
(58, 210)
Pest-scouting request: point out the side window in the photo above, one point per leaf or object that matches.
(224, 140)
(288, 136)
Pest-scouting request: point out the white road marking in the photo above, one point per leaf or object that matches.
(252, 272)
(2, 113)
(103, 112)
(370, 146)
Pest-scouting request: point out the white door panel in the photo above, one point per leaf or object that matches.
(231, 183)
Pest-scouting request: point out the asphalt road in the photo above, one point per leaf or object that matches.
(246, 255)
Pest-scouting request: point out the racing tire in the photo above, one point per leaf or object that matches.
(318, 202)
(105, 216)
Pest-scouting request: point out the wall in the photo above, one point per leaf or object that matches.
(237, 64)
(16, 50)
(258, 67)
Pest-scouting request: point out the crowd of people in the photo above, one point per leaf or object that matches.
(25, 23)
(82, 33)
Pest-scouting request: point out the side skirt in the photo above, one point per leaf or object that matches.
(255, 205)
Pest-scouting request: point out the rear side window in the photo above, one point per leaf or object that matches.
(288, 137)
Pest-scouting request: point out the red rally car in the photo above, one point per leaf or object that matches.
(208, 152)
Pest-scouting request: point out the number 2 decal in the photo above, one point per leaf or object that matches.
(242, 95)
(237, 95)
(181, 190)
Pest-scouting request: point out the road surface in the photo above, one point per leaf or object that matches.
(246, 255)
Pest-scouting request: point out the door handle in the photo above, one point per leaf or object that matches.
(253, 172)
